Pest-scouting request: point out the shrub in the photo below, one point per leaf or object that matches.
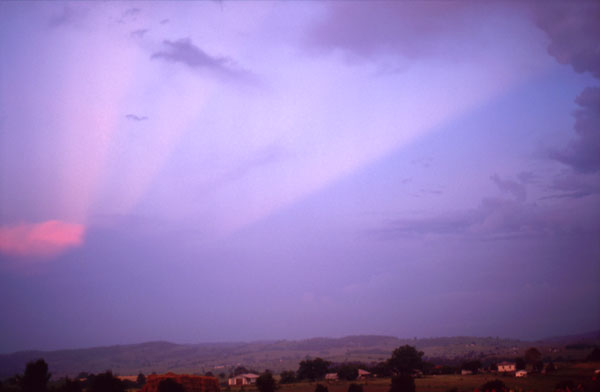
(403, 383)
(494, 385)
(355, 388)
(321, 388)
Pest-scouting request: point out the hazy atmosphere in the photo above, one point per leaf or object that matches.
(237, 171)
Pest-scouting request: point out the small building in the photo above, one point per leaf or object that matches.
(504, 367)
(521, 373)
(466, 372)
(363, 374)
(331, 377)
(243, 379)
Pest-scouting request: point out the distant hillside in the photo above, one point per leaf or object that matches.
(279, 355)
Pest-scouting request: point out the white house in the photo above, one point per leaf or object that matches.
(362, 374)
(243, 379)
(507, 367)
(331, 377)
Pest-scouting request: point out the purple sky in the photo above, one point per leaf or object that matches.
(217, 171)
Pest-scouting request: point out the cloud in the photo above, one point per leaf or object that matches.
(573, 185)
(410, 29)
(65, 17)
(44, 239)
(583, 153)
(185, 52)
(134, 117)
(514, 188)
(496, 219)
(139, 33)
(573, 30)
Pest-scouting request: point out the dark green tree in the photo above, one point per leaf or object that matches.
(355, 388)
(105, 382)
(70, 386)
(266, 383)
(473, 366)
(403, 383)
(36, 377)
(314, 369)
(170, 385)
(594, 355)
(240, 370)
(520, 363)
(321, 388)
(347, 371)
(287, 377)
(141, 380)
(494, 385)
(405, 359)
(382, 369)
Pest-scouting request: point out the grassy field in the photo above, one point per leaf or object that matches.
(579, 373)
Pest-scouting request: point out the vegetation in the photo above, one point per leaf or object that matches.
(494, 385)
(266, 382)
(355, 388)
(105, 382)
(287, 377)
(403, 383)
(321, 388)
(36, 377)
(315, 369)
(170, 385)
(405, 360)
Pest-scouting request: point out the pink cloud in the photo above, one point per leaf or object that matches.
(44, 239)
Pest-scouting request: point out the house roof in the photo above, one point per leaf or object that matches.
(362, 372)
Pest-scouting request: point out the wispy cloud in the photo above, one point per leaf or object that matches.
(135, 117)
(185, 52)
(514, 188)
(139, 33)
(43, 239)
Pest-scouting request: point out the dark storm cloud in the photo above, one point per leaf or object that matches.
(583, 153)
(514, 188)
(574, 32)
(134, 117)
(410, 29)
(185, 52)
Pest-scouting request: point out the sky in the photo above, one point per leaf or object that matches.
(237, 171)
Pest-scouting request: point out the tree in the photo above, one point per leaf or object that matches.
(347, 371)
(287, 377)
(520, 363)
(382, 369)
(494, 385)
(240, 370)
(105, 382)
(36, 377)
(405, 359)
(594, 355)
(314, 369)
(209, 374)
(355, 388)
(533, 357)
(70, 386)
(473, 366)
(170, 385)
(321, 388)
(141, 379)
(403, 383)
(266, 383)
